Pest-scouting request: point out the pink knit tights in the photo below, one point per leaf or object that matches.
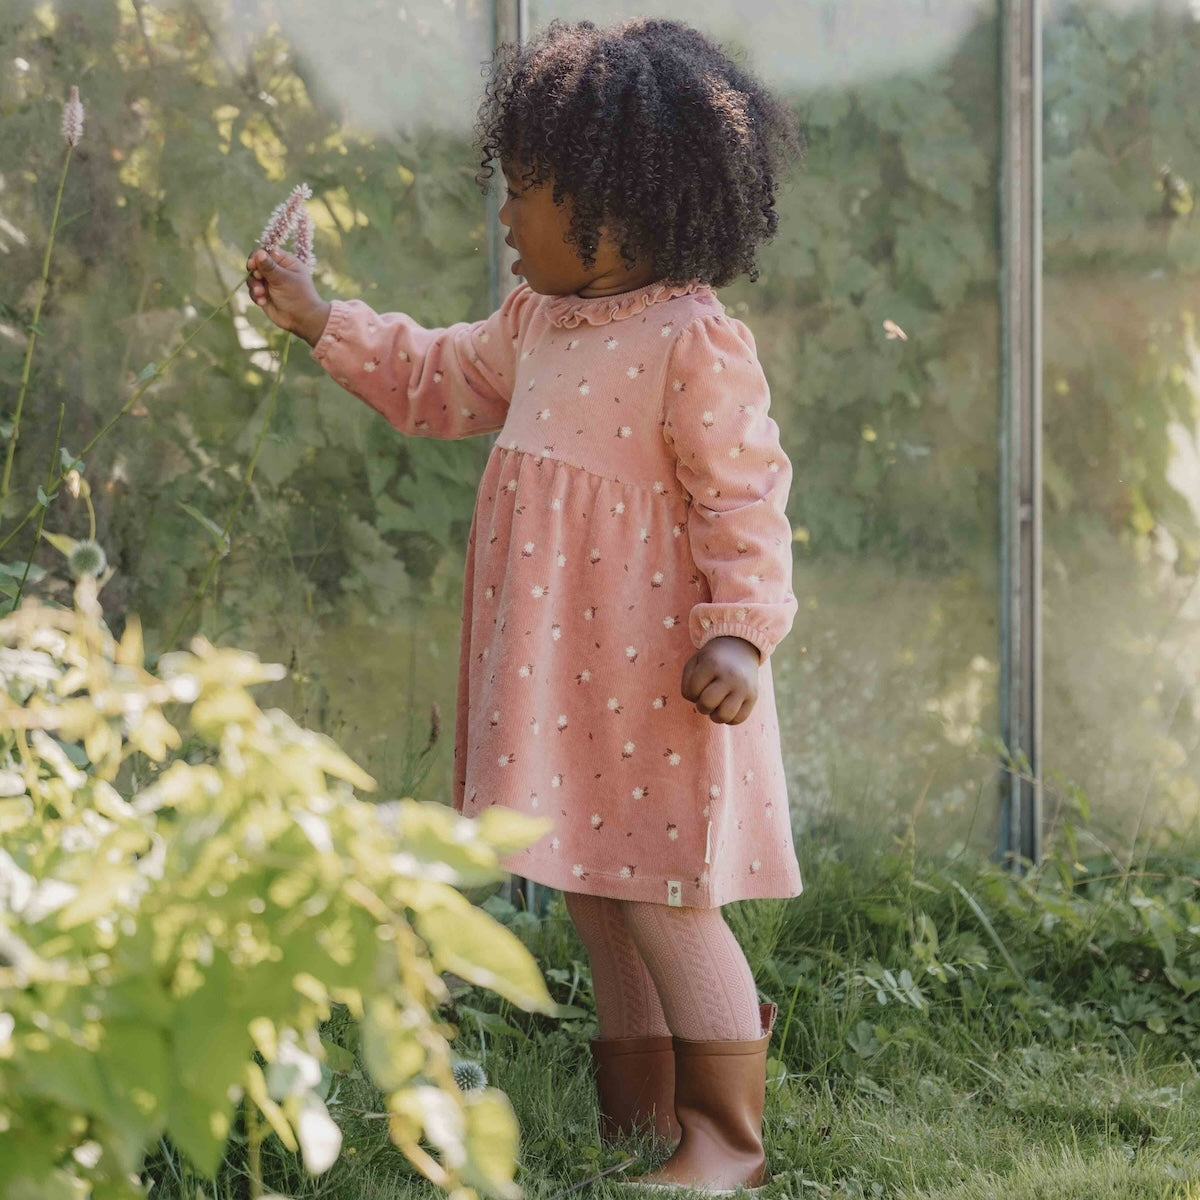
(658, 969)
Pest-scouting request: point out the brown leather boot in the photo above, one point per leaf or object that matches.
(720, 1089)
(635, 1083)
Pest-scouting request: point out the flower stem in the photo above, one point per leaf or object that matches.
(37, 537)
(37, 312)
(223, 545)
(137, 395)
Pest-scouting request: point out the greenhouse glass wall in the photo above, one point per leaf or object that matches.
(878, 317)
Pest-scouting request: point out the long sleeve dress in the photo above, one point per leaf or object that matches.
(631, 510)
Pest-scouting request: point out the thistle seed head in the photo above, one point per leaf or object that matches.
(88, 558)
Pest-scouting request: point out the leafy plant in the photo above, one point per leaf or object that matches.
(189, 883)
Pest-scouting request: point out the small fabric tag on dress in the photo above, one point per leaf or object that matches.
(674, 893)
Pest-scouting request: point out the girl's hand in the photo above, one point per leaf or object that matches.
(283, 288)
(722, 679)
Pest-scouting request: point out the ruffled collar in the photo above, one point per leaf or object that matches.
(569, 311)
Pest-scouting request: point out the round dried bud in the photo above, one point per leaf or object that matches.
(88, 558)
(469, 1075)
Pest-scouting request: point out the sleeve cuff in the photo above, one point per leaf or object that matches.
(758, 638)
(330, 335)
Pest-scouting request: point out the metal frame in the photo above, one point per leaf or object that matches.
(1021, 432)
(510, 24)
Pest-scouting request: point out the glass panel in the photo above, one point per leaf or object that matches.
(893, 661)
(1122, 475)
(346, 561)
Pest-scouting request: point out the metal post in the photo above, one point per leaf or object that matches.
(510, 25)
(1021, 430)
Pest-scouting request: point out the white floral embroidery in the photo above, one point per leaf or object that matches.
(556, 632)
(631, 653)
(505, 759)
(368, 367)
(618, 508)
(625, 872)
(666, 330)
(772, 465)
(670, 622)
(594, 554)
(640, 793)
(748, 777)
(527, 549)
(677, 530)
(625, 431)
(739, 614)
(544, 415)
(525, 670)
(672, 832)
(714, 791)
(673, 757)
(538, 590)
(584, 389)
(755, 867)
(577, 870)
(677, 385)
(511, 486)
(534, 801)
(736, 451)
(614, 704)
(489, 591)
(656, 580)
(659, 488)
(597, 820)
(611, 343)
(589, 613)
(556, 781)
(562, 720)
(556, 504)
(718, 364)
(658, 702)
(554, 843)
(572, 343)
(495, 720)
(706, 420)
(561, 559)
(584, 676)
(627, 750)
(438, 377)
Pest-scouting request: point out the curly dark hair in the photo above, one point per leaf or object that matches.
(653, 132)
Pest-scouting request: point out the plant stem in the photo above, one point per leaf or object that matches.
(37, 312)
(37, 537)
(254, 1137)
(223, 546)
(137, 395)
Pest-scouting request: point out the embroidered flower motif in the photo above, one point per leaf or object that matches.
(584, 389)
(672, 832)
(670, 622)
(666, 330)
(626, 871)
(369, 367)
(772, 465)
(539, 590)
(584, 676)
(611, 343)
(556, 504)
(544, 415)
(673, 757)
(748, 777)
(614, 705)
(627, 750)
(511, 486)
(527, 550)
(640, 793)
(505, 759)
(737, 451)
(562, 722)
(718, 364)
(554, 843)
(534, 800)
(561, 559)
(755, 867)
(525, 670)
(617, 509)
(658, 488)
(589, 613)
(631, 653)
(578, 871)
(494, 719)
(677, 385)
(556, 632)
(594, 555)
(438, 377)
(707, 420)
(676, 530)
(625, 431)
(714, 791)
(656, 580)
(489, 591)
(634, 372)
(597, 820)
(556, 780)
(658, 702)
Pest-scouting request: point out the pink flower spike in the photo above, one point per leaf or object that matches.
(284, 219)
(304, 241)
(72, 119)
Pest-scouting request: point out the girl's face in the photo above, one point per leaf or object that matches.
(550, 264)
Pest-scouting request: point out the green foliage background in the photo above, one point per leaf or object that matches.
(347, 562)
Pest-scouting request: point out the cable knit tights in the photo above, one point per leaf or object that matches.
(658, 969)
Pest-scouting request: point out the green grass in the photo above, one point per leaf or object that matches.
(1036, 1049)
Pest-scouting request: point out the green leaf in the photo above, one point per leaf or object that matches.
(464, 939)
(215, 530)
(492, 1135)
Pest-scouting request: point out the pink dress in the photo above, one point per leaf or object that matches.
(631, 509)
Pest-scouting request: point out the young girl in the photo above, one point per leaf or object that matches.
(629, 563)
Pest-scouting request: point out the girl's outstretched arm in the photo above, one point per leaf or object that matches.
(729, 459)
(442, 383)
